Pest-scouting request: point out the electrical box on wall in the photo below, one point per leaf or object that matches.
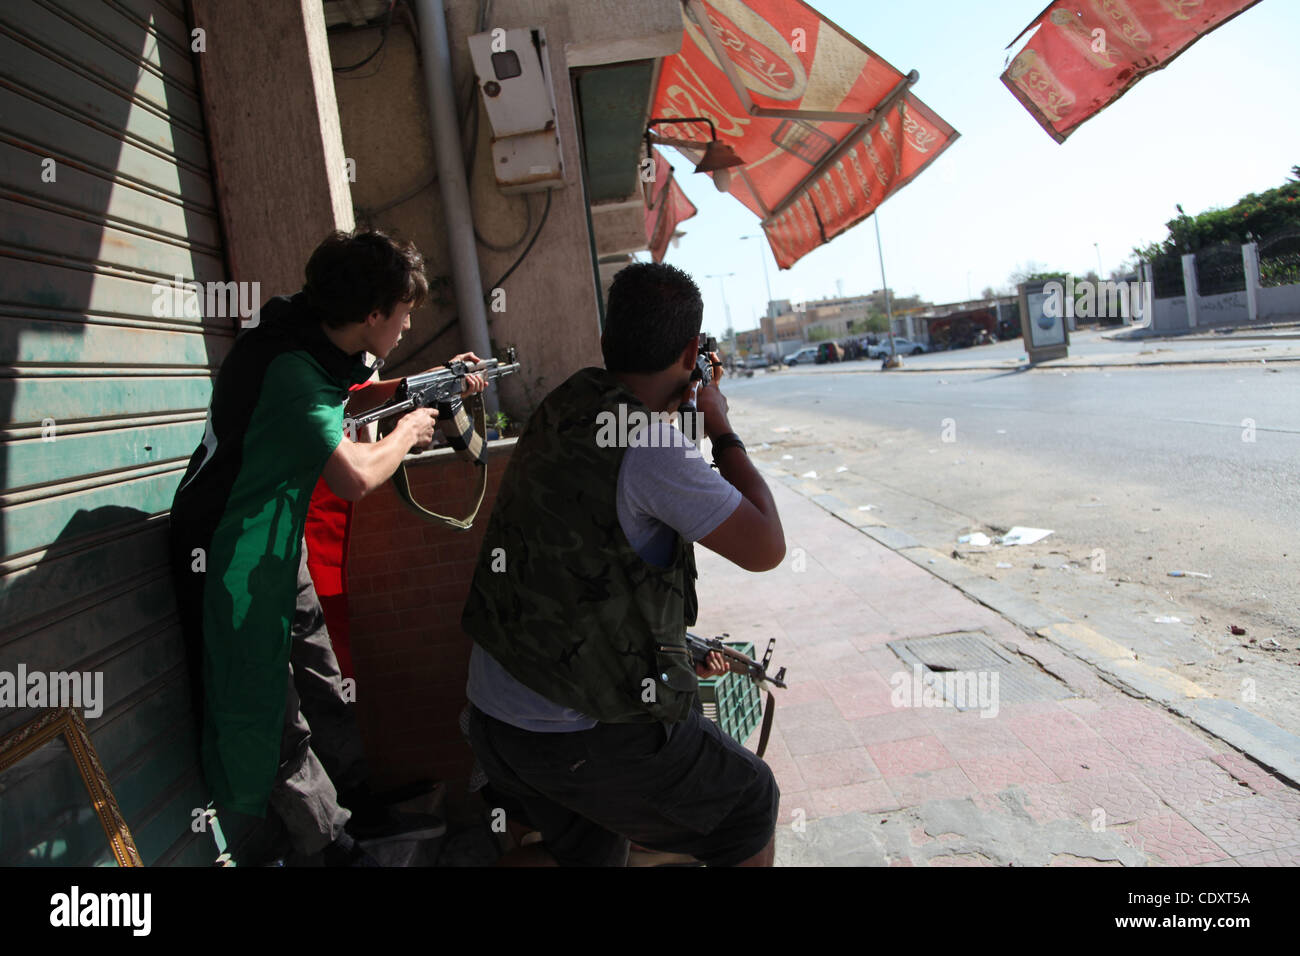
(520, 101)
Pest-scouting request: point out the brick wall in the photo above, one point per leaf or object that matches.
(407, 581)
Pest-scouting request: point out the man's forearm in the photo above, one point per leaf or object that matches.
(735, 466)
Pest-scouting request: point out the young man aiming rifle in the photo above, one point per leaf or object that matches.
(584, 710)
(275, 427)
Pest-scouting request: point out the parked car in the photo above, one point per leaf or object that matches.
(829, 352)
(758, 360)
(901, 345)
(805, 356)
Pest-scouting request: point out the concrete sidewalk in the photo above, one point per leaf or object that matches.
(1065, 769)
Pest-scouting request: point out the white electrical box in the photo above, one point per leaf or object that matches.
(520, 102)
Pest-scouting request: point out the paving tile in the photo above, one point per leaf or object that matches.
(819, 736)
(859, 695)
(1128, 718)
(1284, 856)
(870, 797)
(1048, 802)
(799, 692)
(966, 738)
(995, 771)
(1121, 797)
(898, 758)
(1251, 825)
(1070, 759)
(1193, 784)
(948, 783)
(1243, 768)
(836, 768)
(1053, 726)
(1165, 746)
(896, 725)
(1171, 840)
(960, 859)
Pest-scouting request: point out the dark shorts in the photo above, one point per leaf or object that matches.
(673, 787)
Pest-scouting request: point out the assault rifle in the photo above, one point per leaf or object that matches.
(438, 387)
(701, 647)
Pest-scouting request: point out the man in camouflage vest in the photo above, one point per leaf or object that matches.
(584, 713)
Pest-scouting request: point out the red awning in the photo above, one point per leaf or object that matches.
(666, 207)
(826, 128)
(1085, 54)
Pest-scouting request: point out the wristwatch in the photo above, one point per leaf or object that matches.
(723, 442)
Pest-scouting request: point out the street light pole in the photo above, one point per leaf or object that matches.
(726, 309)
(762, 256)
(884, 283)
(1097, 246)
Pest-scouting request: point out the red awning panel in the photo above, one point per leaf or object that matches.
(1085, 54)
(666, 207)
(827, 129)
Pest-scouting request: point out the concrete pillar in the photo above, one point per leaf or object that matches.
(1189, 289)
(273, 124)
(1250, 259)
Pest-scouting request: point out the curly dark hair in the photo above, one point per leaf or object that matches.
(654, 311)
(351, 274)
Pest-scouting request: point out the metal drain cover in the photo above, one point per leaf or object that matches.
(959, 666)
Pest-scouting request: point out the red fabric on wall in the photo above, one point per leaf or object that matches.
(328, 529)
(1085, 54)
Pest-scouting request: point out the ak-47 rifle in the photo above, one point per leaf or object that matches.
(441, 389)
(441, 386)
(741, 663)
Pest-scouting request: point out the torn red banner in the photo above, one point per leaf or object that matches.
(666, 207)
(1086, 54)
(827, 130)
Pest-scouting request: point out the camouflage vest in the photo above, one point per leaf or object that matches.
(566, 605)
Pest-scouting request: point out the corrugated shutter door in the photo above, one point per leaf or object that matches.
(105, 190)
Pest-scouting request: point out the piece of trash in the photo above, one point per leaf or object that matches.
(1237, 630)
(787, 457)
(841, 468)
(979, 539)
(765, 447)
(866, 507)
(943, 381)
(1003, 564)
(1188, 574)
(959, 461)
(1002, 431)
(1168, 619)
(809, 474)
(1274, 643)
(1020, 535)
(932, 560)
(934, 451)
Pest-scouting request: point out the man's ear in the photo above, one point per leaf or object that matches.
(688, 356)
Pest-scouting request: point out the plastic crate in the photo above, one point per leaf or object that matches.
(733, 701)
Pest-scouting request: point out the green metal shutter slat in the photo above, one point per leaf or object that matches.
(107, 89)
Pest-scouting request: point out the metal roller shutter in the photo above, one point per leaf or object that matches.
(105, 190)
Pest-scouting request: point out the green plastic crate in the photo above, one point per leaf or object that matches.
(733, 701)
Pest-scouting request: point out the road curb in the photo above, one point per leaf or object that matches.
(1261, 740)
(1050, 367)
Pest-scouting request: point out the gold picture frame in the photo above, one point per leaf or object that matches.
(67, 723)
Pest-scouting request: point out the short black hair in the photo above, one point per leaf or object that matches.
(351, 274)
(654, 311)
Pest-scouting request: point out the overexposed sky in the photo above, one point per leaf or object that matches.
(1217, 123)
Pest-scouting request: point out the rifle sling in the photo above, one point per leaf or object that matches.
(467, 437)
(767, 724)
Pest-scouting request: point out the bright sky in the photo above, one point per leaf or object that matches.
(1217, 123)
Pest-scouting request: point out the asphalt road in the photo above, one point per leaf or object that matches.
(1138, 472)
